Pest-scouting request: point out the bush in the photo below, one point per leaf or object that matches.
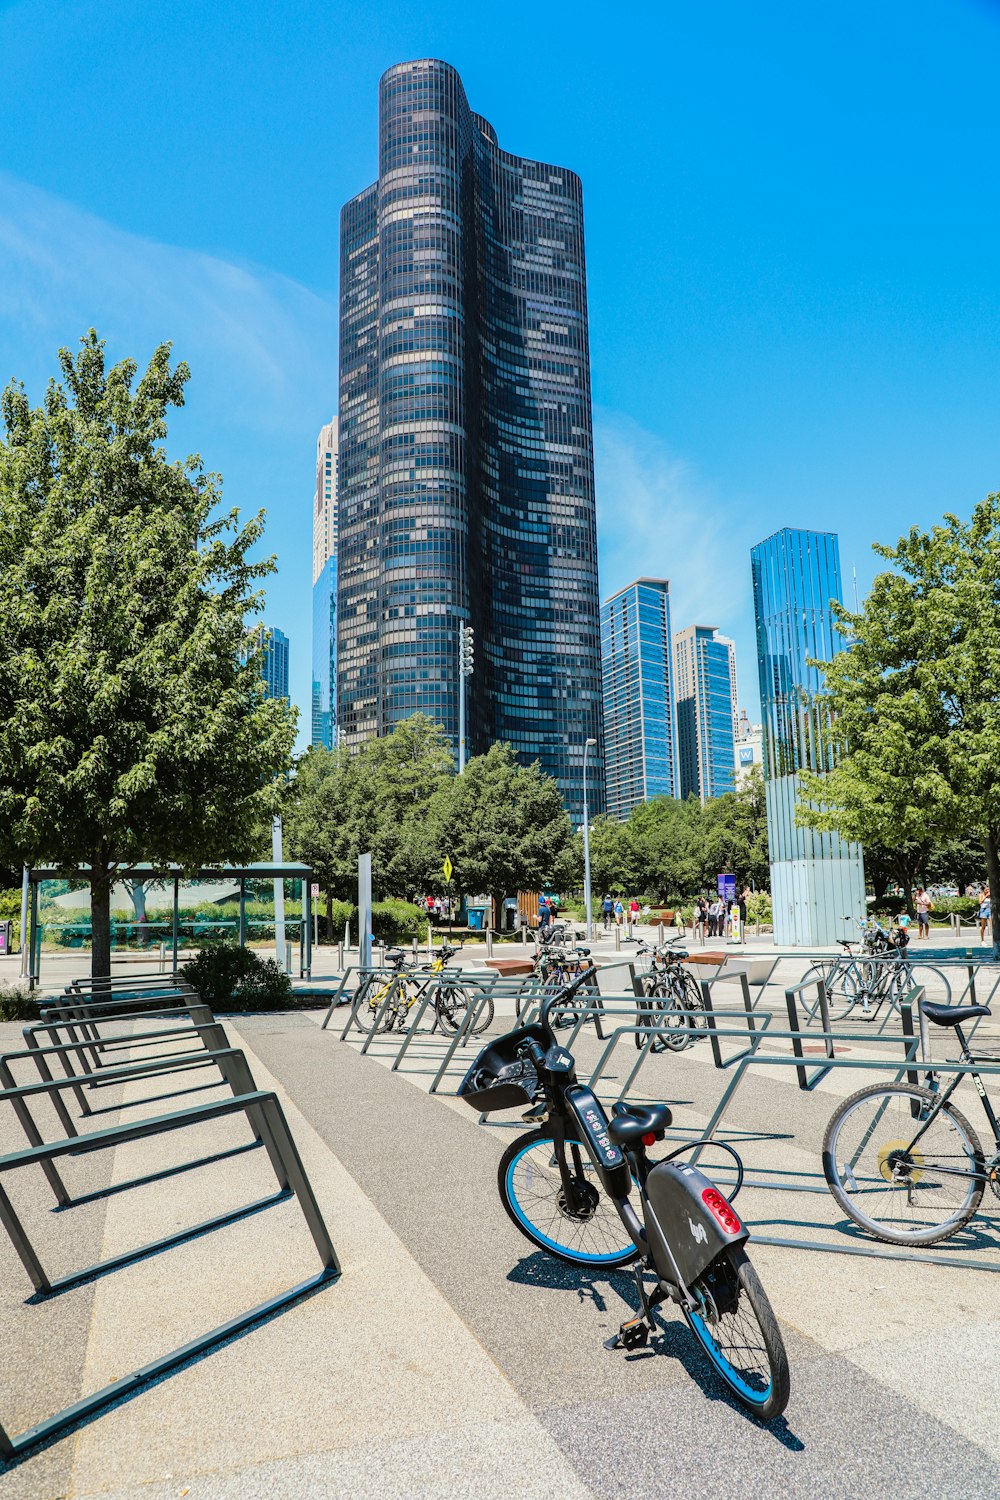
(396, 921)
(225, 974)
(17, 1003)
(759, 907)
(967, 907)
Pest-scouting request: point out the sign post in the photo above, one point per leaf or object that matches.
(726, 886)
(447, 869)
(365, 911)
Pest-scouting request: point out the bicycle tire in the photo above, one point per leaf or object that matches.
(530, 1189)
(690, 1028)
(654, 1010)
(366, 1012)
(451, 1002)
(741, 1337)
(893, 1195)
(841, 987)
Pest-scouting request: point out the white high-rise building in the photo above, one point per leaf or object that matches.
(324, 643)
(325, 501)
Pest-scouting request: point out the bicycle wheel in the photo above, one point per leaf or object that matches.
(738, 1331)
(531, 1191)
(452, 1004)
(686, 995)
(841, 987)
(368, 1007)
(900, 1190)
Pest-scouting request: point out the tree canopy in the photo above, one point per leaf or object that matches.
(134, 722)
(915, 698)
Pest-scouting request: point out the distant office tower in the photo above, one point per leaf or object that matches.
(276, 663)
(466, 453)
(817, 881)
(705, 694)
(324, 623)
(749, 747)
(639, 735)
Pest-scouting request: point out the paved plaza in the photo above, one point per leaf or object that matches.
(451, 1359)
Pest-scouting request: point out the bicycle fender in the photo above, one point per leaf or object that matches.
(683, 1208)
(590, 1116)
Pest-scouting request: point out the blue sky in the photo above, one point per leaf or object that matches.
(793, 234)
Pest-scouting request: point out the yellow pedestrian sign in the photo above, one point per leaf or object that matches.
(447, 867)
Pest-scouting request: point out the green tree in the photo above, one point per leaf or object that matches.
(734, 834)
(612, 858)
(666, 835)
(371, 800)
(133, 717)
(915, 698)
(503, 825)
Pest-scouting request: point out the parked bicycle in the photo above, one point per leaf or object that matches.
(859, 983)
(670, 993)
(567, 1187)
(902, 1161)
(554, 969)
(387, 1000)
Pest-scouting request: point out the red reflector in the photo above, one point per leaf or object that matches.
(722, 1210)
(649, 1139)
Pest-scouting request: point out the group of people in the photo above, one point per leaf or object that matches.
(614, 911)
(714, 917)
(438, 907)
(924, 905)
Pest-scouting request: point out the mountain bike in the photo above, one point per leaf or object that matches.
(404, 987)
(902, 1161)
(668, 990)
(568, 1186)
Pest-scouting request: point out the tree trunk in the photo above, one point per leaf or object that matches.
(100, 924)
(329, 917)
(991, 844)
(138, 893)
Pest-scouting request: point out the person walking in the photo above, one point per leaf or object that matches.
(634, 910)
(607, 911)
(701, 917)
(924, 906)
(744, 898)
(544, 916)
(985, 914)
(619, 911)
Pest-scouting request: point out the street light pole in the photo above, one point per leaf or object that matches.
(465, 655)
(586, 844)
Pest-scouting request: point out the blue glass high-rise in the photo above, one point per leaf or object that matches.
(639, 737)
(705, 695)
(466, 481)
(276, 662)
(817, 880)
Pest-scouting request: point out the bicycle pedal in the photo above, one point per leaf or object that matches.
(537, 1115)
(631, 1335)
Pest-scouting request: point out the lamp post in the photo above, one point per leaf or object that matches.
(465, 661)
(586, 844)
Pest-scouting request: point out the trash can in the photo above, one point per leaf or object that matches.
(6, 935)
(475, 915)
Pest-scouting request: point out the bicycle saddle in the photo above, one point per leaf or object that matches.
(953, 1015)
(633, 1121)
(844, 942)
(393, 955)
(583, 952)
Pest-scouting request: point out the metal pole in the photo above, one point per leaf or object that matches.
(461, 697)
(23, 930)
(279, 893)
(365, 910)
(586, 846)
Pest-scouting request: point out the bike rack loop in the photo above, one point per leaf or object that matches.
(461, 1035)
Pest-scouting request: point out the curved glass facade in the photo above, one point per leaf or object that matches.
(466, 454)
(817, 881)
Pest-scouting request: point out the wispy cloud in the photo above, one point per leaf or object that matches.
(656, 516)
(259, 343)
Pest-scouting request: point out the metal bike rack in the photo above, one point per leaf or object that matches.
(459, 1039)
(263, 1111)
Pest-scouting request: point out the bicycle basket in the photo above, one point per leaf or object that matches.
(499, 1078)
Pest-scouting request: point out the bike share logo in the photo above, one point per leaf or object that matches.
(698, 1232)
(600, 1135)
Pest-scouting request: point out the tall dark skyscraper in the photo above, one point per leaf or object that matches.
(466, 489)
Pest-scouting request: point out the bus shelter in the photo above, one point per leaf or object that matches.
(165, 909)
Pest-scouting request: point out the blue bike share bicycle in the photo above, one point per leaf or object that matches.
(568, 1185)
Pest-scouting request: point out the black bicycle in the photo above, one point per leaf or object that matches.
(567, 1187)
(671, 999)
(902, 1161)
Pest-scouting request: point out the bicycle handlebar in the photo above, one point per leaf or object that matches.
(561, 996)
